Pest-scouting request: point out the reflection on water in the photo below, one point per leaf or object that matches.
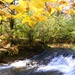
(47, 64)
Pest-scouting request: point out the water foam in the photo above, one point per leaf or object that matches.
(16, 64)
(66, 65)
(27, 64)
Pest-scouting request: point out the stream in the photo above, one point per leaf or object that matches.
(54, 61)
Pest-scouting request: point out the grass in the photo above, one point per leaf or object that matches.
(62, 45)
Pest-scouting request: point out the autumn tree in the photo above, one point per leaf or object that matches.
(40, 10)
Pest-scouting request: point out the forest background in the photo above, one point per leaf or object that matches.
(32, 25)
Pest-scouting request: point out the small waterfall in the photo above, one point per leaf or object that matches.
(66, 65)
(57, 62)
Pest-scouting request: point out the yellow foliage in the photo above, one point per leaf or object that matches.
(34, 9)
(50, 9)
(36, 18)
(26, 19)
(1, 6)
(19, 15)
(29, 20)
(8, 1)
(5, 14)
(4, 18)
(23, 6)
(12, 7)
(72, 11)
(43, 17)
(39, 18)
(32, 23)
(11, 16)
(47, 13)
(73, 4)
(20, 9)
(37, 4)
(50, 0)
(63, 2)
(0, 17)
(24, 2)
(2, 12)
(25, 15)
(59, 8)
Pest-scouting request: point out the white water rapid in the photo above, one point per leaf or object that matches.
(65, 65)
(27, 64)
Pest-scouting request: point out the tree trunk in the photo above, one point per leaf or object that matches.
(12, 21)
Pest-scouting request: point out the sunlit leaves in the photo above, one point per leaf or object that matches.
(42, 17)
(37, 3)
(12, 6)
(8, 1)
(0, 17)
(32, 23)
(29, 20)
(39, 18)
(20, 9)
(59, 8)
(19, 15)
(22, 6)
(72, 11)
(26, 19)
(12, 16)
(50, 9)
(50, 0)
(39, 10)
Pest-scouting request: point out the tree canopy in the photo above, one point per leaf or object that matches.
(32, 11)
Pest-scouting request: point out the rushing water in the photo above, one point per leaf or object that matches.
(55, 62)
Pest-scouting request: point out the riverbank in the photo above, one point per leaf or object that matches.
(27, 51)
(61, 45)
(21, 52)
